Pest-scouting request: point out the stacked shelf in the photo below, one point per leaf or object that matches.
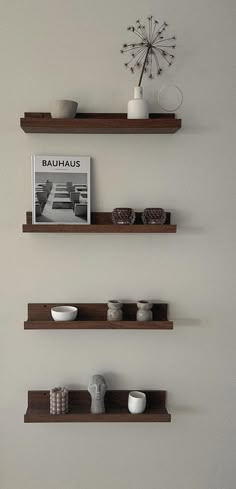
(101, 222)
(93, 316)
(99, 123)
(116, 403)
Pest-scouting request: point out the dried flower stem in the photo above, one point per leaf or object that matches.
(143, 68)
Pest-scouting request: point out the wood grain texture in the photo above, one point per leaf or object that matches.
(93, 316)
(99, 123)
(101, 222)
(116, 403)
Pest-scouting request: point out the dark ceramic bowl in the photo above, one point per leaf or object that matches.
(123, 215)
(154, 215)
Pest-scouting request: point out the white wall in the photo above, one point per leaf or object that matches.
(70, 49)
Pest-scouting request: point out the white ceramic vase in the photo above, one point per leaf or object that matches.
(137, 402)
(138, 107)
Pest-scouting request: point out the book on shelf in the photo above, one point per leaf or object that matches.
(61, 189)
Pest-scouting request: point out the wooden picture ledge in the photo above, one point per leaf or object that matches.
(99, 123)
(116, 403)
(101, 222)
(94, 316)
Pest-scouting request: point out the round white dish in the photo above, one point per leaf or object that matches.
(64, 313)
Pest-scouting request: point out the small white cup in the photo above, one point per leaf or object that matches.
(64, 109)
(64, 313)
(137, 402)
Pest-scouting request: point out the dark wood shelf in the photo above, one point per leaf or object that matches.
(101, 222)
(98, 325)
(93, 316)
(116, 403)
(99, 123)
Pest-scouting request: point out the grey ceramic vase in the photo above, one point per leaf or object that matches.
(58, 400)
(114, 312)
(144, 312)
(97, 389)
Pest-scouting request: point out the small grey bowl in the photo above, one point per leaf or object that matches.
(64, 109)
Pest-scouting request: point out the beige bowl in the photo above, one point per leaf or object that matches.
(64, 109)
(64, 313)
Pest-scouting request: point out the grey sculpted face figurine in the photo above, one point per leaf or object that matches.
(97, 389)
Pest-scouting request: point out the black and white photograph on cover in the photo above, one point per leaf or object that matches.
(61, 189)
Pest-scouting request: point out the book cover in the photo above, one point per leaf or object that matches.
(61, 189)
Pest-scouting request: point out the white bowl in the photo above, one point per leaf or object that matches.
(64, 313)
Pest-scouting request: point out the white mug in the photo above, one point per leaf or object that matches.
(64, 109)
(137, 402)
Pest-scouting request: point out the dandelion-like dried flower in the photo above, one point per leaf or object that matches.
(151, 48)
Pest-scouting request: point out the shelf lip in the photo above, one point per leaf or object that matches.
(116, 403)
(152, 417)
(118, 325)
(100, 123)
(100, 228)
